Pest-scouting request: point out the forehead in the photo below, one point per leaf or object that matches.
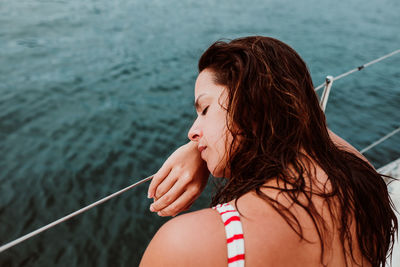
(205, 85)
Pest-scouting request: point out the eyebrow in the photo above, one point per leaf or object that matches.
(196, 103)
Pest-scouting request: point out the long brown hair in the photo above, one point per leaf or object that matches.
(276, 122)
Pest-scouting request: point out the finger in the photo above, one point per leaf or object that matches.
(177, 174)
(187, 207)
(176, 190)
(184, 201)
(160, 175)
(168, 183)
(165, 212)
(190, 203)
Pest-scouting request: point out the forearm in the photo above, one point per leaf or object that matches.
(179, 181)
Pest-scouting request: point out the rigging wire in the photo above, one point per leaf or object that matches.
(69, 216)
(380, 141)
(359, 68)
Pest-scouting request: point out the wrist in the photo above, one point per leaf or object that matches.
(192, 145)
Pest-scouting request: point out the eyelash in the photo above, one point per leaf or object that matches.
(204, 112)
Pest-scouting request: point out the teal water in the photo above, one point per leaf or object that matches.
(94, 95)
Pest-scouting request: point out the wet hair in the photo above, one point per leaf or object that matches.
(279, 133)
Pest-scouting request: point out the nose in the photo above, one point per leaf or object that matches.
(195, 133)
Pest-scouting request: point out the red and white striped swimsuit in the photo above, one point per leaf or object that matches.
(234, 234)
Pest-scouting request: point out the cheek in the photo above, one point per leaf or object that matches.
(223, 147)
(220, 139)
(218, 162)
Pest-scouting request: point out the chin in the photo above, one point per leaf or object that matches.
(217, 175)
(218, 172)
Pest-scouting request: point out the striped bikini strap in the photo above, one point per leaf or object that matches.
(234, 234)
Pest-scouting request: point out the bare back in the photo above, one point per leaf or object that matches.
(270, 241)
(198, 238)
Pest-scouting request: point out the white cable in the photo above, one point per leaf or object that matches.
(360, 68)
(379, 141)
(63, 219)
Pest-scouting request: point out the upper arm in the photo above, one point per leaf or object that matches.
(341, 142)
(162, 248)
(191, 239)
(338, 141)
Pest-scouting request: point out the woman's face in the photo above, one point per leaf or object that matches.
(209, 130)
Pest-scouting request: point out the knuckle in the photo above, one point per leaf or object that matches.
(180, 168)
(165, 212)
(173, 209)
(167, 198)
(159, 192)
(152, 184)
(186, 177)
(154, 207)
(194, 189)
(156, 178)
(165, 165)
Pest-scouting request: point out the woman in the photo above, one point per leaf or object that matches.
(304, 196)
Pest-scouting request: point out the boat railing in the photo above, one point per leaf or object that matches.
(327, 85)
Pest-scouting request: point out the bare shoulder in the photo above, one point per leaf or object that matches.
(192, 239)
(341, 143)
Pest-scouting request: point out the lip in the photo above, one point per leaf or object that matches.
(201, 148)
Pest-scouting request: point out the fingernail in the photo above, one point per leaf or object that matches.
(148, 195)
(151, 208)
(159, 213)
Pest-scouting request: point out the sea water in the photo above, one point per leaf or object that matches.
(95, 95)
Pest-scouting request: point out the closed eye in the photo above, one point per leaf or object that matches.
(204, 112)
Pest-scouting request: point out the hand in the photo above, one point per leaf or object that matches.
(179, 182)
